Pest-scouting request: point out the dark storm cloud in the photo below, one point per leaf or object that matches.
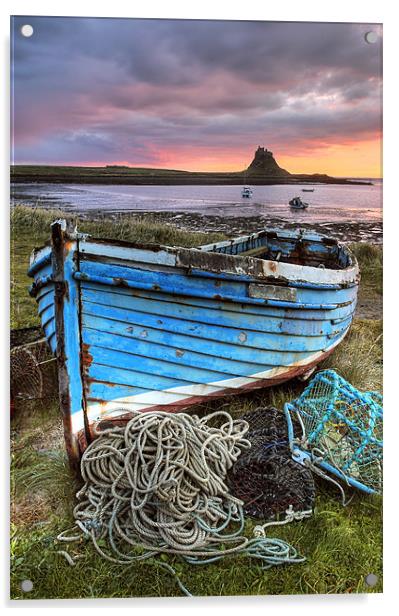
(96, 89)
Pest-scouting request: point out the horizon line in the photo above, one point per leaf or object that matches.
(124, 166)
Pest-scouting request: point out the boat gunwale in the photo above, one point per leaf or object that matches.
(222, 264)
(205, 259)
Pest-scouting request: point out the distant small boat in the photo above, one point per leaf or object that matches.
(246, 192)
(297, 204)
(307, 189)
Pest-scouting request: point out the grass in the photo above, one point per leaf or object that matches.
(370, 259)
(51, 170)
(127, 227)
(112, 174)
(341, 545)
(359, 358)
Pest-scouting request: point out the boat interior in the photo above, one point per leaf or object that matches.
(311, 250)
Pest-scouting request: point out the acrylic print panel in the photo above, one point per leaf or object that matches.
(198, 358)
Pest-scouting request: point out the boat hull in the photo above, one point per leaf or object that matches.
(124, 412)
(138, 328)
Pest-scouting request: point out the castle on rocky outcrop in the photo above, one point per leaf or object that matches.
(265, 164)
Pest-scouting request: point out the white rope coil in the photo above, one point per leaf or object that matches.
(158, 484)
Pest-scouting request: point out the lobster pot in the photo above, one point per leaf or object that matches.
(33, 371)
(341, 430)
(265, 477)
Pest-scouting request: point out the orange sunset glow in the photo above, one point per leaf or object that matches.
(361, 159)
(198, 95)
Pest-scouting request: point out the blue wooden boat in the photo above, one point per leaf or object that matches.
(142, 327)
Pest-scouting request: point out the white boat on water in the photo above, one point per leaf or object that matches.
(297, 204)
(246, 192)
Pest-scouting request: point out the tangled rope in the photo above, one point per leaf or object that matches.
(157, 485)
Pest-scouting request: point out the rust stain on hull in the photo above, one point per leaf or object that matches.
(87, 357)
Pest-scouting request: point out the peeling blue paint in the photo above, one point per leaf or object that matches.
(150, 326)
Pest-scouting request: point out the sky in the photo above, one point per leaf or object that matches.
(197, 95)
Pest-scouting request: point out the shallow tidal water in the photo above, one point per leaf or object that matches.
(326, 204)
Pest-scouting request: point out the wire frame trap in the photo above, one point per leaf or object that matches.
(340, 431)
(265, 477)
(32, 366)
(25, 335)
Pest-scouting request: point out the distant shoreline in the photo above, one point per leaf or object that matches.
(161, 177)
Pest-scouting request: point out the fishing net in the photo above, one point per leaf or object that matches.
(265, 477)
(25, 335)
(340, 430)
(32, 368)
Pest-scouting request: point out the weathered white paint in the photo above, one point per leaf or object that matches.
(125, 253)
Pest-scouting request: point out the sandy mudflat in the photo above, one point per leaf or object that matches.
(347, 231)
